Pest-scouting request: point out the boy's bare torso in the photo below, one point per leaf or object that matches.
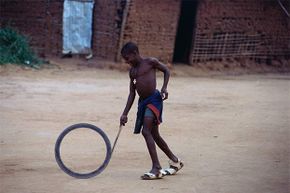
(143, 77)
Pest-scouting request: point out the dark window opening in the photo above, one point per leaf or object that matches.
(185, 30)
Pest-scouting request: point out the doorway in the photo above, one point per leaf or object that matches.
(185, 31)
(77, 26)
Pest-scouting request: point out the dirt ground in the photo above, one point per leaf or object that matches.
(231, 131)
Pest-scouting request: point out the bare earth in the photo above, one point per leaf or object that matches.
(231, 131)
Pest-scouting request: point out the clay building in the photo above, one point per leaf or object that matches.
(180, 31)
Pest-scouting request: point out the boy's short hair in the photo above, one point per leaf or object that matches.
(129, 47)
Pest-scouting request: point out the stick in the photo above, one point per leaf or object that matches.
(115, 142)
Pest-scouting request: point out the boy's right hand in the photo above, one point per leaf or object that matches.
(123, 120)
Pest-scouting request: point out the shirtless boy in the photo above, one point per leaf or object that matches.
(143, 80)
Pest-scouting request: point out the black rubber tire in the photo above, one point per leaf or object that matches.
(82, 175)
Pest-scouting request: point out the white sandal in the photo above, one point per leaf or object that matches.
(174, 167)
(151, 176)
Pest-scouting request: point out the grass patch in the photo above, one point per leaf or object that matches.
(15, 49)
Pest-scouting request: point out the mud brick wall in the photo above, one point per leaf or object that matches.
(35, 19)
(240, 29)
(152, 25)
(53, 23)
(41, 21)
(256, 29)
(106, 27)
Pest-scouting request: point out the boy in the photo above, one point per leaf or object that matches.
(143, 80)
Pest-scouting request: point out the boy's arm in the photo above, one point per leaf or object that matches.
(131, 97)
(163, 68)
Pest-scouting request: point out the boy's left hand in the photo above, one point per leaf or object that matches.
(164, 94)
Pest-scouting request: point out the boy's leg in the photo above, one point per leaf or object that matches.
(162, 144)
(147, 133)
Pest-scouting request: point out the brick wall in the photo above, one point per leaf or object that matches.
(107, 25)
(240, 29)
(53, 23)
(35, 19)
(41, 21)
(224, 28)
(152, 25)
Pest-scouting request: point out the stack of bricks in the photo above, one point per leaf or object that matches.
(152, 25)
(240, 29)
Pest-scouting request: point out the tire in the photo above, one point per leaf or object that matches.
(69, 171)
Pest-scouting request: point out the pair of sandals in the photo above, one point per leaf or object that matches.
(174, 167)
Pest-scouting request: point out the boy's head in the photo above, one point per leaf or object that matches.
(130, 53)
